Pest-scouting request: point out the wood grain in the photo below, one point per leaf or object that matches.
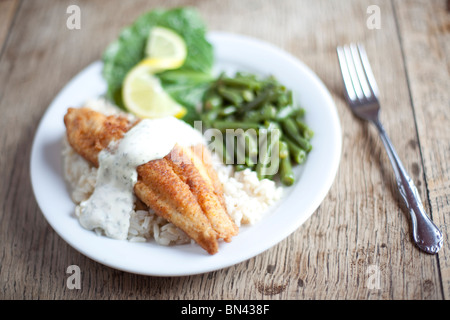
(425, 37)
(361, 227)
(8, 10)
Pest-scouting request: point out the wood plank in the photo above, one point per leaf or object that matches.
(425, 35)
(8, 10)
(361, 225)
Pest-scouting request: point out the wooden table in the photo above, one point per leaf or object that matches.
(357, 245)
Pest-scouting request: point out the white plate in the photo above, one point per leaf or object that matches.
(314, 178)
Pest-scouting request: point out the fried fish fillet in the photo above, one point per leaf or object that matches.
(182, 187)
(89, 131)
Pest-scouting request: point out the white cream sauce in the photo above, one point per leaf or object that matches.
(110, 205)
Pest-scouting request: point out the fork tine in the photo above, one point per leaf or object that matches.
(368, 70)
(350, 91)
(352, 71)
(360, 71)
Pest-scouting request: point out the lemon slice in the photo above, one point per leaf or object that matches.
(166, 47)
(144, 95)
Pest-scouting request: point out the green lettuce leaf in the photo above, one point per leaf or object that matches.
(129, 49)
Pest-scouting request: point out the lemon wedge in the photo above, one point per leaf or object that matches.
(142, 91)
(165, 48)
(144, 95)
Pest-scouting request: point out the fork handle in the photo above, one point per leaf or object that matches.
(425, 233)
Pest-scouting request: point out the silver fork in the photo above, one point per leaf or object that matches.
(361, 92)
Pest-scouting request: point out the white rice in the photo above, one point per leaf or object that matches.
(247, 198)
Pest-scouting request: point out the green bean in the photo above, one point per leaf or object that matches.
(271, 139)
(275, 158)
(284, 150)
(260, 171)
(259, 99)
(230, 95)
(249, 162)
(209, 117)
(260, 166)
(245, 75)
(251, 143)
(292, 131)
(272, 81)
(263, 142)
(223, 125)
(248, 95)
(247, 148)
(286, 174)
(282, 99)
(252, 116)
(246, 102)
(285, 98)
(228, 111)
(230, 151)
(229, 118)
(268, 112)
(274, 165)
(307, 132)
(240, 167)
(300, 113)
(239, 146)
(270, 125)
(297, 154)
(212, 102)
(285, 112)
(242, 82)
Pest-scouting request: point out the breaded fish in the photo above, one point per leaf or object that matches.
(182, 187)
(189, 168)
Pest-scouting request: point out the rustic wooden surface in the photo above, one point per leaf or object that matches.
(361, 227)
